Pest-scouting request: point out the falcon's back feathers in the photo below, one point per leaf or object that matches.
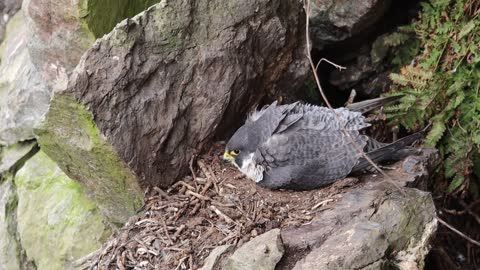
(301, 146)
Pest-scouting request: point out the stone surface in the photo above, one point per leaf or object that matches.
(420, 168)
(12, 156)
(335, 21)
(8, 8)
(70, 137)
(9, 246)
(215, 255)
(57, 223)
(57, 38)
(262, 253)
(61, 31)
(24, 97)
(392, 226)
(159, 84)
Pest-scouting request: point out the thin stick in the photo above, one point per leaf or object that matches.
(221, 214)
(444, 223)
(164, 224)
(330, 62)
(199, 196)
(193, 172)
(306, 5)
(467, 208)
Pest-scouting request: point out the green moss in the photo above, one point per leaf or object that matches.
(102, 16)
(57, 222)
(70, 137)
(12, 28)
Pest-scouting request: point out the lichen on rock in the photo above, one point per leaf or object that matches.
(93, 13)
(57, 222)
(70, 137)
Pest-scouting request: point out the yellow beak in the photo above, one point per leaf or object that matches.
(227, 156)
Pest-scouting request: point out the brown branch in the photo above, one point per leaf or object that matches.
(444, 223)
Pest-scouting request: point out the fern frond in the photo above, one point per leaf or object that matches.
(436, 133)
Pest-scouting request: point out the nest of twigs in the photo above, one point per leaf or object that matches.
(177, 228)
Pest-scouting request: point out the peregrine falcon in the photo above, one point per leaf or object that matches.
(300, 146)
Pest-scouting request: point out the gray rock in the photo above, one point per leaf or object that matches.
(420, 169)
(8, 8)
(59, 32)
(160, 84)
(262, 253)
(56, 45)
(13, 157)
(355, 247)
(335, 21)
(9, 246)
(345, 28)
(57, 223)
(24, 97)
(214, 257)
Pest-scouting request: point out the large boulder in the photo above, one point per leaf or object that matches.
(335, 21)
(158, 86)
(61, 31)
(24, 97)
(262, 252)
(56, 222)
(46, 219)
(42, 45)
(70, 137)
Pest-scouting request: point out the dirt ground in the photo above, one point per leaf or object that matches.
(178, 227)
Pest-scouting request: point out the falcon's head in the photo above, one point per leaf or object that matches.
(242, 145)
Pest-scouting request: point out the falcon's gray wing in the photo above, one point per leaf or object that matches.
(264, 123)
(304, 159)
(324, 119)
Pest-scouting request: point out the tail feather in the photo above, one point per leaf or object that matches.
(393, 151)
(371, 104)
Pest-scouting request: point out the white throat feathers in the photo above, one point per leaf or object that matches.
(251, 170)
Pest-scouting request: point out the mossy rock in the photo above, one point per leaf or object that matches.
(70, 137)
(101, 16)
(57, 223)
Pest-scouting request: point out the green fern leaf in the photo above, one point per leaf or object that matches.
(436, 133)
(456, 183)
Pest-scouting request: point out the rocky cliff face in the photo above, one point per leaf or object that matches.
(47, 219)
(159, 84)
(100, 100)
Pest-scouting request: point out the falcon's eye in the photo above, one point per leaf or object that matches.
(234, 152)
